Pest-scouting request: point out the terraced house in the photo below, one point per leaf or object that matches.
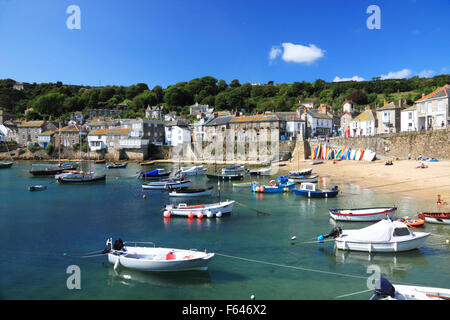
(28, 131)
(433, 110)
(365, 124)
(69, 136)
(258, 128)
(388, 117)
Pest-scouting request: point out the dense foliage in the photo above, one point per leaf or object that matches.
(58, 101)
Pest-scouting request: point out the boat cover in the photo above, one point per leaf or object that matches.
(153, 172)
(380, 231)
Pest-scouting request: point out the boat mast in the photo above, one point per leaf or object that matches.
(59, 145)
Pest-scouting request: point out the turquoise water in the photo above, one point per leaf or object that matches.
(42, 233)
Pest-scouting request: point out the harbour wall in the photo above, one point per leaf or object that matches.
(430, 144)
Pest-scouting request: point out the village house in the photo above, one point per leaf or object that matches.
(309, 104)
(199, 109)
(219, 124)
(295, 125)
(69, 136)
(177, 132)
(155, 112)
(28, 131)
(97, 113)
(347, 106)
(433, 110)
(21, 86)
(198, 128)
(318, 123)
(143, 132)
(258, 128)
(408, 119)
(46, 138)
(77, 117)
(388, 117)
(365, 124)
(9, 130)
(97, 124)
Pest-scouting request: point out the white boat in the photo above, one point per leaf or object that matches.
(384, 290)
(316, 162)
(192, 171)
(73, 176)
(166, 184)
(146, 258)
(199, 211)
(301, 179)
(435, 217)
(186, 192)
(260, 172)
(362, 214)
(383, 236)
(303, 172)
(233, 169)
(242, 184)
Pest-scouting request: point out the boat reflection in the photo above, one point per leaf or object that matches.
(198, 224)
(130, 277)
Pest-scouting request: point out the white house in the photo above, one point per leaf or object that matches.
(177, 132)
(198, 109)
(408, 119)
(365, 124)
(97, 139)
(318, 124)
(433, 110)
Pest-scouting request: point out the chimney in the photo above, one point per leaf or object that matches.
(385, 102)
(423, 94)
(399, 103)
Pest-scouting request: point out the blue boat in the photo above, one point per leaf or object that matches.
(309, 190)
(37, 188)
(273, 187)
(155, 174)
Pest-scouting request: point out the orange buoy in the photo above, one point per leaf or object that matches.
(262, 189)
(190, 215)
(144, 196)
(200, 215)
(167, 214)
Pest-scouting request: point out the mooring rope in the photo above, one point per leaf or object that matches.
(257, 210)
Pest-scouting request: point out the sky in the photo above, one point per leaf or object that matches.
(116, 42)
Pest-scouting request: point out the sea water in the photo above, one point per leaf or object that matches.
(42, 233)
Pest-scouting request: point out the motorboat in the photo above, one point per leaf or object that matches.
(384, 290)
(73, 176)
(233, 169)
(117, 165)
(362, 214)
(186, 192)
(152, 258)
(41, 169)
(273, 187)
(309, 190)
(227, 176)
(4, 165)
(435, 217)
(166, 184)
(37, 188)
(192, 171)
(155, 174)
(383, 236)
(260, 172)
(199, 211)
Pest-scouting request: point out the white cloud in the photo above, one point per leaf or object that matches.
(354, 78)
(301, 54)
(426, 73)
(405, 73)
(274, 52)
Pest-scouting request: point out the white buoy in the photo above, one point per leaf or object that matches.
(219, 214)
(209, 214)
(293, 238)
(252, 297)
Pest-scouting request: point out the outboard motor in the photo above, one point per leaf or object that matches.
(118, 244)
(335, 232)
(383, 289)
(334, 188)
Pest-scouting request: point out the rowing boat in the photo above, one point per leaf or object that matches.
(384, 290)
(362, 214)
(199, 211)
(435, 217)
(186, 192)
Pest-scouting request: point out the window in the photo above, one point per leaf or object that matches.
(399, 232)
(429, 107)
(441, 105)
(410, 114)
(422, 108)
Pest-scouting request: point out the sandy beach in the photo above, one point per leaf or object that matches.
(402, 177)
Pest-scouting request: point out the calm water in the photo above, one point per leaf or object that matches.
(42, 233)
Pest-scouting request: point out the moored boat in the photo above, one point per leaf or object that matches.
(186, 192)
(260, 172)
(362, 214)
(37, 188)
(309, 190)
(301, 179)
(51, 169)
(117, 165)
(228, 176)
(155, 174)
(233, 169)
(99, 161)
(151, 258)
(4, 165)
(435, 217)
(192, 171)
(273, 187)
(72, 176)
(242, 184)
(166, 184)
(384, 290)
(199, 211)
(303, 172)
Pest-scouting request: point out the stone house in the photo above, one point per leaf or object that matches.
(199, 109)
(28, 131)
(220, 124)
(155, 112)
(388, 117)
(365, 124)
(258, 128)
(433, 110)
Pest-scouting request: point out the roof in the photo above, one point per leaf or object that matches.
(32, 124)
(320, 115)
(69, 129)
(411, 108)
(219, 121)
(438, 93)
(256, 118)
(99, 132)
(47, 133)
(118, 131)
(367, 115)
(389, 106)
(178, 122)
(289, 116)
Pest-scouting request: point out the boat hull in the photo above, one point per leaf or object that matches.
(316, 194)
(101, 178)
(439, 218)
(166, 186)
(301, 180)
(273, 189)
(208, 211)
(180, 193)
(5, 165)
(225, 176)
(395, 246)
(362, 214)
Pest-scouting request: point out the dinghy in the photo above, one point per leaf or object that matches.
(260, 172)
(362, 214)
(166, 184)
(309, 190)
(273, 187)
(117, 165)
(151, 258)
(303, 172)
(414, 223)
(155, 174)
(37, 188)
(383, 236)
(316, 162)
(192, 171)
(233, 169)
(242, 184)
(435, 217)
(301, 179)
(72, 176)
(186, 192)
(199, 211)
(384, 290)
(228, 176)
(4, 165)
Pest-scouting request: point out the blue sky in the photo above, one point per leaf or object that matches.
(165, 42)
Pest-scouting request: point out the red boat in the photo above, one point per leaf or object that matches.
(435, 217)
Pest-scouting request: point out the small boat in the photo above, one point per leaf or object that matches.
(435, 217)
(155, 174)
(147, 163)
(72, 176)
(52, 169)
(167, 184)
(384, 290)
(150, 258)
(316, 162)
(192, 171)
(309, 190)
(37, 188)
(273, 187)
(301, 179)
(303, 172)
(233, 169)
(412, 222)
(242, 184)
(199, 211)
(99, 161)
(260, 172)
(117, 165)
(384, 236)
(228, 176)
(362, 214)
(186, 192)
(4, 165)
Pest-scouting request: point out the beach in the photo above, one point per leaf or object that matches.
(402, 177)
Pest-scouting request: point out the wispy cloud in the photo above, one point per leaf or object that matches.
(354, 78)
(296, 53)
(404, 73)
(426, 73)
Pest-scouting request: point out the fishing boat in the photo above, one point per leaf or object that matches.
(242, 184)
(412, 222)
(186, 192)
(384, 236)
(192, 171)
(166, 184)
(117, 165)
(151, 258)
(435, 217)
(155, 174)
(4, 165)
(42, 169)
(233, 169)
(228, 176)
(199, 211)
(301, 179)
(37, 188)
(309, 190)
(362, 214)
(384, 290)
(73, 176)
(273, 187)
(99, 161)
(260, 172)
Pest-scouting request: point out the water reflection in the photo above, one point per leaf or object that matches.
(195, 223)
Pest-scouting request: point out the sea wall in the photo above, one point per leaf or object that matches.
(431, 144)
